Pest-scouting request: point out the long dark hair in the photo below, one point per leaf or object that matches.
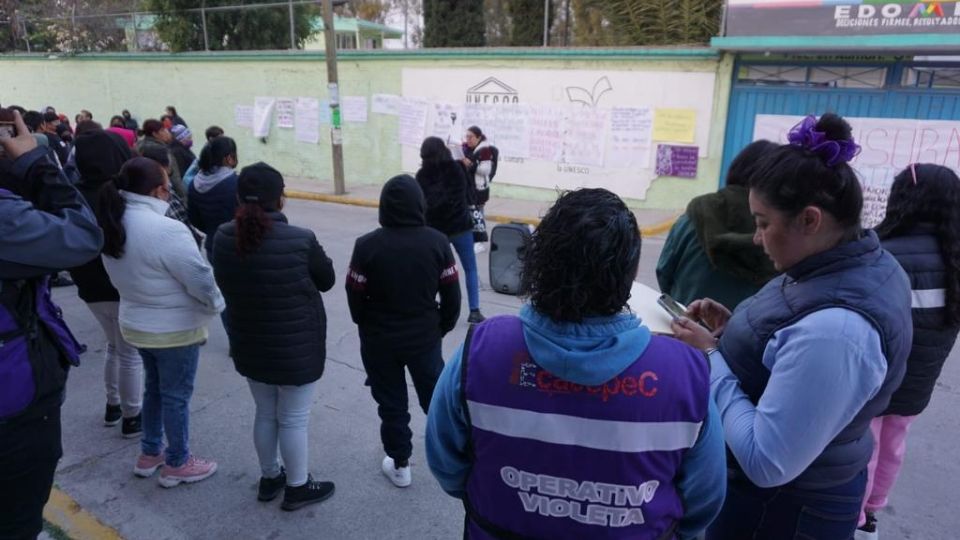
(742, 166)
(214, 152)
(434, 151)
(253, 224)
(140, 175)
(150, 127)
(791, 177)
(934, 199)
(582, 259)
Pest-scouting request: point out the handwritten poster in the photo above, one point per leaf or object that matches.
(307, 120)
(354, 109)
(413, 120)
(263, 115)
(630, 137)
(446, 122)
(888, 146)
(285, 112)
(546, 127)
(583, 143)
(243, 116)
(675, 125)
(388, 104)
(678, 161)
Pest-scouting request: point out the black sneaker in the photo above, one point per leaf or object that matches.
(270, 488)
(310, 493)
(132, 427)
(113, 415)
(475, 317)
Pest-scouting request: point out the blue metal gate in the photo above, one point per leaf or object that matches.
(916, 90)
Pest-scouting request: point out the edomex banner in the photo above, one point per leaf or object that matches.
(841, 18)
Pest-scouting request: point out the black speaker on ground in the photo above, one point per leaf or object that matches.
(506, 243)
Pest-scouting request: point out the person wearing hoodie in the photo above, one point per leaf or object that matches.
(709, 252)
(100, 155)
(445, 189)
(211, 133)
(213, 193)
(396, 273)
(573, 420)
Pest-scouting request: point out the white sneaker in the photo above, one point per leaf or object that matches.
(479, 247)
(400, 477)
(864, 535)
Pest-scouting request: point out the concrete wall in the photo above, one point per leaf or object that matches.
(205, 88)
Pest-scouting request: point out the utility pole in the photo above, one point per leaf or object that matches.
(203, 19)
(546, 23)
(293, 37)
(336, 136)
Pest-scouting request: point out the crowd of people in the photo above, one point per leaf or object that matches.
(778, 409)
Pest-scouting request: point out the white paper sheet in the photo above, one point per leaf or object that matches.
(307, 120)
(354, 109)
(388, 104)
(243, 115)
(263, 115)
(285, 112)
(413, 120)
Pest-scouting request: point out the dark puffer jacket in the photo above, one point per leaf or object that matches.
(275, 317)
(933, 337)
(444, 186)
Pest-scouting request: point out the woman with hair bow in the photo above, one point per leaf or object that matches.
(800, 369)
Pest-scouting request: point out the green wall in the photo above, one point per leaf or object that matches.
(205, 88)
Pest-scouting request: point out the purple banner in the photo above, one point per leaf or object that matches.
(679, 161)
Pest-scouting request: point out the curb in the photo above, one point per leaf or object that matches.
(652, 230)
(78, 524)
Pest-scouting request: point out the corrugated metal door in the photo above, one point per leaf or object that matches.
(928, 92)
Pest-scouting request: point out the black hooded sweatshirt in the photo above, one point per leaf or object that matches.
(397, 271)
(100, 154)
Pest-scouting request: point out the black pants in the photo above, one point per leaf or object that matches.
(385, 362)
(29, 452)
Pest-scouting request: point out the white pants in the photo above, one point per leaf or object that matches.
(282, 420)
(122, 366)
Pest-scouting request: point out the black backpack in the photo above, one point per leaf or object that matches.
(495, 152)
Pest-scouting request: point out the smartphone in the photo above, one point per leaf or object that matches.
(674, 308)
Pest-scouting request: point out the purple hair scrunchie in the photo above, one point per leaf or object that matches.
(805, 135)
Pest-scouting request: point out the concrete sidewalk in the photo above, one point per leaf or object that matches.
(502, 209)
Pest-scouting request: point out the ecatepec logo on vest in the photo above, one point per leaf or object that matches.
(528, 374)
(591, 503)
(920, 14)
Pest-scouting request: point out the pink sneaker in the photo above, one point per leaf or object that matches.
(194, 470)
(147, 465)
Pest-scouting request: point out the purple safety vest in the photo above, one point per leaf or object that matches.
(554, 459)
(19, 363)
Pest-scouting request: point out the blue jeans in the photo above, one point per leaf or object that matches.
(463, 243)
(168, 386)
(787, 512)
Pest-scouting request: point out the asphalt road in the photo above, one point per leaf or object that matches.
(344, 438)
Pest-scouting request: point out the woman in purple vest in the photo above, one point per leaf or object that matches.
(803, 366)
(572, 420)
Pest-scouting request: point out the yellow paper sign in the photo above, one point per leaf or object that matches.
(674, 125)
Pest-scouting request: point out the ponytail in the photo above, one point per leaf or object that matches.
(140, 176)
(214, 152)
(253, 224)
(110, 210)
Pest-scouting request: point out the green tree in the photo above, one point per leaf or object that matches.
(663, 22)
(526, 22)
(180, 25)
(453, 23)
